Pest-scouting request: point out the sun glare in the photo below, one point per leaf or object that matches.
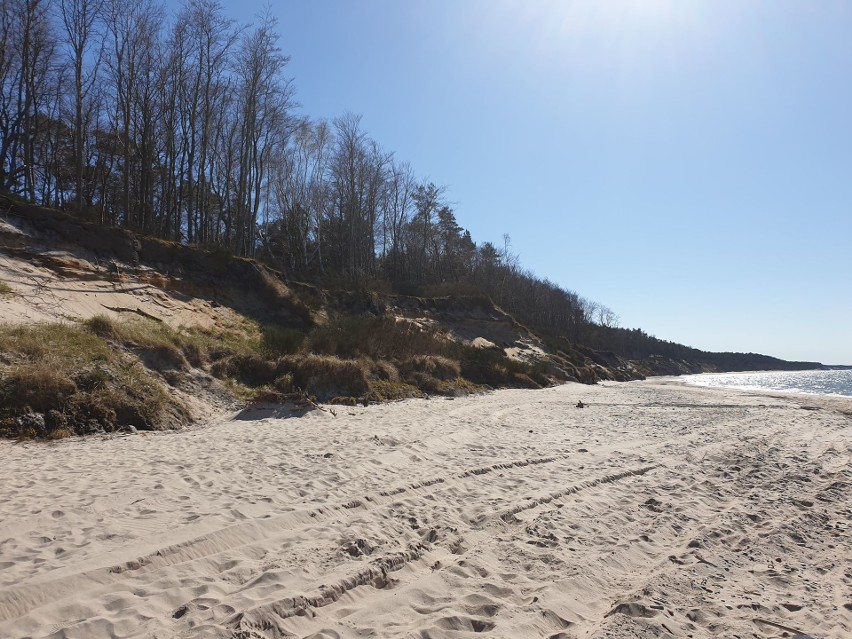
(617, 32)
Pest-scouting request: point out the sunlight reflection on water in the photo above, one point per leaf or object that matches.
(833, 382)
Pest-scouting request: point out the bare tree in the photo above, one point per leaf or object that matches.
(27, 73)
(265, 97)
(79, 18)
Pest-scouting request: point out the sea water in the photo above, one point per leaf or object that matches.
(821, 382)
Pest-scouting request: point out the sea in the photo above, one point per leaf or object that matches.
(820, 382)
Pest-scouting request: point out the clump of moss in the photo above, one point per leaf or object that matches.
(5, 289)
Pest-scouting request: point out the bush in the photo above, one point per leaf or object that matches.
(162, 347)
(277, 341)
(374, 337)
(384, 371)
(491, 366)
(40, 387)
(324, 376)
(102, 326)
(5, 289)
(247, 368)
(386, 390)
(433, 365)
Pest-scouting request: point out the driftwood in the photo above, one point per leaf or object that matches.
(315, 405)
(138, 311)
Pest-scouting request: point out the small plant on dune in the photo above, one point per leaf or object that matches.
(386, 390)
(102, 326)
(5, 289)
(491, 366)
(250, 369)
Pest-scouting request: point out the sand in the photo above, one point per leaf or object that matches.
(658, 510)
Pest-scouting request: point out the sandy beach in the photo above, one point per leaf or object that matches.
(658, 510)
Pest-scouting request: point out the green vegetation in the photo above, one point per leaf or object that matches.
(5, 289)
(160, 346)
(60, 379)
(103, 374)
(374, 337)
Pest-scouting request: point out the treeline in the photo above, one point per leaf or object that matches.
(183, 126)
(168, 126)
(636, 344)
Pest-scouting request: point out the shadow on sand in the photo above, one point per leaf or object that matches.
(272, 411)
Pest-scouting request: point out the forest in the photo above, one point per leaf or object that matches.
(184, 126)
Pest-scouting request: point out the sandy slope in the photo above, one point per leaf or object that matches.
(80, 290)
(656, 511)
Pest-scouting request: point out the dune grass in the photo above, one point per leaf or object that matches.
(102, 374)
(62, 379)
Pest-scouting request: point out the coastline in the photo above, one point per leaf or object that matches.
(807, 383)
(660, 509)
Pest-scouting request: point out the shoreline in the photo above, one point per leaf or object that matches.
(778, 393)
(660, 509)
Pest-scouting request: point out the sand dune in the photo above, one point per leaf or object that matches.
(657, 511)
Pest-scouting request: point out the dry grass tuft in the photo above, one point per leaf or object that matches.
(158, 344)
(386, 390)
(433, 365)
(250, 369)
(326, 377)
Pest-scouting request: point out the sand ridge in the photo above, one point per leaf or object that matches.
(658, 510)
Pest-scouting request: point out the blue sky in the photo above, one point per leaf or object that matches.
(686, 163)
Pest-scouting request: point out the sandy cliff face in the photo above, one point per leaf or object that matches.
(199, 306)
(62, 268)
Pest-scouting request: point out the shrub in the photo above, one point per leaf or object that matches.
(277, 341)
(433, 365)
(247, 368)
(386, 390)
(162, 347)
(284, 383)
(384, 371)
(5, 289)
(38, 386)
(325, 376)
(102, 326)
(490, 366)
(375, 337)
(424, 381)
